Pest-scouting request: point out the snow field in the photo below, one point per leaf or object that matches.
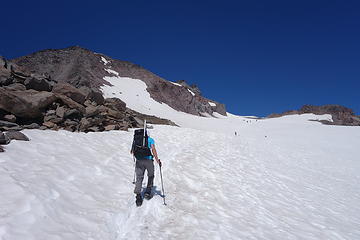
(298, 183)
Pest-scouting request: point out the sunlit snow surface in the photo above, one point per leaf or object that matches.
(281, 178)
(104, 60)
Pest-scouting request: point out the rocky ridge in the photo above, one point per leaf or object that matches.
(31, 100)
(83, 68)
(341, 115)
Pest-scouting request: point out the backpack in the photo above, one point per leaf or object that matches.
(140, 146)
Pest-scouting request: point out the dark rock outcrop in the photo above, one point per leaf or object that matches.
(38, 83)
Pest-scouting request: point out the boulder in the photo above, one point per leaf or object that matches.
(84, 124)
(16, 86)
(111, 127)
(91, 111)
(115, 114)
(5, 81)
(115, 104)
(31, 126)
(97, 96)
(2, 149)
(7, 124)
(94, 129)
(26, 104)
(38, 84)
(48, 125)
(17, 128)
(5, 74)
(53, 119)
(70, 103)
(92, 94)
(69, 122)
(69, 91)
(60, 112)
(88, 103)
(10, 118)
(71, 125)
(16, 135)
(4, 139)
(73, 114)
(51, 112)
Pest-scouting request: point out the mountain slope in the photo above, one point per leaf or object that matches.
(282, 178)
(82, 67)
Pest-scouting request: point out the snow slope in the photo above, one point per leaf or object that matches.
(289, 179)
(133, 92)
(281, 178)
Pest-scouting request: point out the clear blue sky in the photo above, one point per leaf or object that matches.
(257, 57)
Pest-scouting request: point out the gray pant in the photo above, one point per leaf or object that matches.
(140, 167)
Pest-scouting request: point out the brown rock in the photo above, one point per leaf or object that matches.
(115, 114)
(17, 128)
(92, 94)
(48, 118)
(69, 122)
(84, 124)
(16, 135)
(5, 74)
(16, 86)
(56, 120)
(48, 124)
(10, 118)
(69, 91)
(88, 103)
(60, 112)
(38, 84)
(111, 127)
(91, 111)
(51, 112)
(73, 114)
(26, 104)
(70, 103)
(93, 129)
(115, 104)
(32, 126)
(7, 124)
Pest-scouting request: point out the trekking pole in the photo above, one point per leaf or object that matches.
(162, 185)
(134, 170)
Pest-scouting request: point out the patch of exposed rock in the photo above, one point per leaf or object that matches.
(36, 101)
(83, 68)
(341, 115)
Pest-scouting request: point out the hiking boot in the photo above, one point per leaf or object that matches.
(139, 200)
(147, 194)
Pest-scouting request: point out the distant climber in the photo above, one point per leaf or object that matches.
(143, 149)
(235, 133)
